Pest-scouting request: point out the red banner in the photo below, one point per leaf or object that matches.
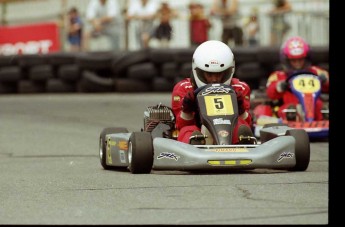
(29, 39)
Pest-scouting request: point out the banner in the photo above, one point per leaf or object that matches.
(29, 39)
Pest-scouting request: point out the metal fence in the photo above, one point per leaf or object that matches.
(309, 18)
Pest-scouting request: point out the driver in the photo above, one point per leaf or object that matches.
(213, 62)
(295, 57)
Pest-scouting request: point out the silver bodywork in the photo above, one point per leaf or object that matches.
(174, 155)
(169, 154)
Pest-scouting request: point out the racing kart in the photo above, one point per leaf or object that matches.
(155, 147)
(306, 86)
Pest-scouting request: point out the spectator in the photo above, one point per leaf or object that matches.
(227, 10)
(164, 29)
(295, 57)
(252, 28)
(199, 24)
(279, 25)
(104, 17)
(74, 27)
(143, 13)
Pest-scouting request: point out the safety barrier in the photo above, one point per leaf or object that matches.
(148, 70)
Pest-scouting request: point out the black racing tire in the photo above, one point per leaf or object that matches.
(69, 73)
(142, 71)
(94, 60)
(185, 70)
(8, 60)
(55, 85)
(302, 149)
(268, 55)
(8, 87)
(91, 81)
(161, 55)
(169, 70)
(26, 61)
(103, 144)
(245, 54)
(41, 73)
(30, 87)
(140, 152)
(274, 124)
(266, 136)
(161, 84)
(61, 58)
(319, 54)
(250, 71)
(130, 85)
(120, 64)
(10, 74)
(183, 55)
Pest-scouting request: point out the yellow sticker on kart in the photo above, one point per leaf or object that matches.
(306, 84)
(230, 149)
(123, 145)
(219, 105)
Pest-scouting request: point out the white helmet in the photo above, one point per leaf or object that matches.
(212, 56)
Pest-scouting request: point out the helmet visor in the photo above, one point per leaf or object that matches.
(214, 77)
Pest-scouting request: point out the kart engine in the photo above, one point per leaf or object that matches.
(154, 115)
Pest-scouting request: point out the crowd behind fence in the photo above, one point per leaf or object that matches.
(309, 19)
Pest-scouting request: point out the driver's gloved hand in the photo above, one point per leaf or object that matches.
(189, 103)
(240, 103)
(282, 86)
(323, 78)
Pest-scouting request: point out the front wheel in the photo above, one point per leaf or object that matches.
(274, 124)
(103, 143)
(302, 149)
(266, 136)
(140, 152)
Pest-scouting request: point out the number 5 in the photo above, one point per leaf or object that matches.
(218, 103)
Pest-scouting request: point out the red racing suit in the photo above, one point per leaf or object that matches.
(187, 127)
(290, 99)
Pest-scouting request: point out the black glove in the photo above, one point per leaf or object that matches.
(282, 86)
(323, 78)
(240, 102)
(189, 103)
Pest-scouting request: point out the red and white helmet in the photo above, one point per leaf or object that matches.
(294, 48)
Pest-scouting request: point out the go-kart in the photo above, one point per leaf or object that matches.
(156, 147)
(306, 87)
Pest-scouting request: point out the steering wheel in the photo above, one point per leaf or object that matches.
(296, 73)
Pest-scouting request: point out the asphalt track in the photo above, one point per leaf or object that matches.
(50, 173)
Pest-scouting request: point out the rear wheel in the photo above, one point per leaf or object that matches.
(302, 149)
(103, 144)
(140, 152)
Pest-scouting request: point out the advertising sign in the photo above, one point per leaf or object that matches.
(38, 38)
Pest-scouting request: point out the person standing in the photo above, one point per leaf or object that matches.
(199, 24)
(143, 12)
(279, 25)
(252, 28)
(104, 19)
(227, 10)
(163, 32)
(74, 27)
